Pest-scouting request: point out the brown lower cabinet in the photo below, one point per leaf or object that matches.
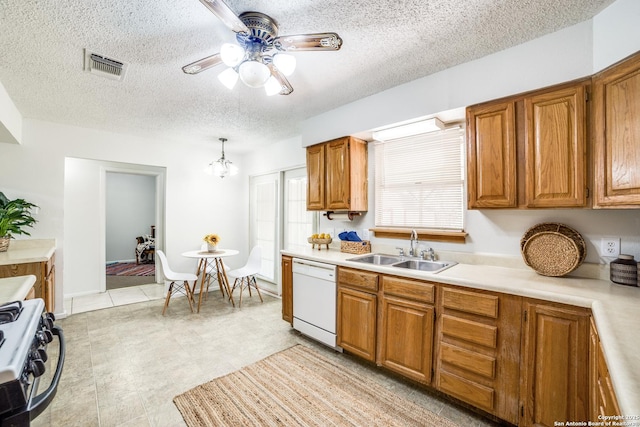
(603, 399)
(555, 364)
(44, 287)
(287, 288)
(357, 312)
(406, 333)
(526, 361)
(477, 357)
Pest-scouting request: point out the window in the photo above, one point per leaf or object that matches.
(419, 181)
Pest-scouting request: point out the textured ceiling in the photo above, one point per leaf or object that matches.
(386, 43)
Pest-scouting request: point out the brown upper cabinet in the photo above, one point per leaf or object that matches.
(337, 175)
(616, 126)
(529, 150)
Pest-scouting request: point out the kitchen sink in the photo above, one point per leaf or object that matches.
(424, 265)
(403, 262)
(378, 259)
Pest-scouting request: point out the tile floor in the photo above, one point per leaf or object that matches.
(113, 298)
(124, 364)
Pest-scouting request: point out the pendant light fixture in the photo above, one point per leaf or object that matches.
(222, 167)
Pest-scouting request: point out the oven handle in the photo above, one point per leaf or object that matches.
(41, 401)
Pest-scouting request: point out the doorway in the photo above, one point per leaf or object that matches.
(130, 215)
(84, 221)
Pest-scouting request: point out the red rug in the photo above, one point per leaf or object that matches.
(130, 269)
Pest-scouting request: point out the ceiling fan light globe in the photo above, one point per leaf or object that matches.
(229, 78)
(272, 87)
(231, 54)
(254, 73)
(285, 63)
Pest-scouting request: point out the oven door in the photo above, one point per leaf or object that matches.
(38, 402)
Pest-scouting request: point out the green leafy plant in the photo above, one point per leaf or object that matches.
(15, 215)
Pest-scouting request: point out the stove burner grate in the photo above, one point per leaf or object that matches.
(10, 311)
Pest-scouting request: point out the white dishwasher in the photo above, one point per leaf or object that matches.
(314, 300)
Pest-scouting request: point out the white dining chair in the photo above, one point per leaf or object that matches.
(179, 282)
(245, 276)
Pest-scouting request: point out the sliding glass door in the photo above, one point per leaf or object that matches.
(279, 219)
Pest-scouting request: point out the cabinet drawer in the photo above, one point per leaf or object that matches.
(358, 279)
(411, 289)
(468, 360)
(471, 302)
(469, 391)
(471, 331)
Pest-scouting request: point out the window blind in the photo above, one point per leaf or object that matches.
(419, 181)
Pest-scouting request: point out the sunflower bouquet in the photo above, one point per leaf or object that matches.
(212, 239)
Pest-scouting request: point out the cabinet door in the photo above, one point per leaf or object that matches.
(357, 322)
(603, 399)
(491, 156)
(338, 179)
(287, 289)
(315, 177)
(555, 147)
(616, 123)
(49, 289)
(555, 364)
(407, 338)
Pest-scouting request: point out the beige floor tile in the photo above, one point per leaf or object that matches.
(154, 291)
(125, 364)
(91, 303)
(125, 296)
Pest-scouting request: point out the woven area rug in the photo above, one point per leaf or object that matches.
(130, 269)
(299, 387)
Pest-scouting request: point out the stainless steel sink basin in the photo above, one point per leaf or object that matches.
(403, 262)
(378, 259)
(424, 265)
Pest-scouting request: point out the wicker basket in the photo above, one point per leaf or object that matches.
(553, 249)
(363, 247)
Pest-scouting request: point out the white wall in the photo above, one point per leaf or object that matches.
(130, 212)
(196, 203)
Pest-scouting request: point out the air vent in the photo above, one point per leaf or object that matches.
(103, 66)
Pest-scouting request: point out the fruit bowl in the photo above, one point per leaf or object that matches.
(319, 241)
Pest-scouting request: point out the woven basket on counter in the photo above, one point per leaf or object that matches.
(553, 249)
(363, 247)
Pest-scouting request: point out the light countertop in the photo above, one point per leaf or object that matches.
(15, 288)
(615, 308)
(29, 250)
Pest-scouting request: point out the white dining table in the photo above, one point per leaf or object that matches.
(212, 259)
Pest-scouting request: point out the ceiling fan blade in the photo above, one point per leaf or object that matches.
(226, 15)
(284, 83)
(202, 64)
(319, 41)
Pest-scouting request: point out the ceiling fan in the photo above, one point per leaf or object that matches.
(259, 59)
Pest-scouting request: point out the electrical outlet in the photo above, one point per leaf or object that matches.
(610, 246)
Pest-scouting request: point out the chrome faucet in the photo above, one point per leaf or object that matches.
(413, 251)
(428, 254)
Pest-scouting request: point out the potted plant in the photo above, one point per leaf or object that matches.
(15, 215)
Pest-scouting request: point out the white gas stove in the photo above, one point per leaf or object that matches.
(25, 332)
